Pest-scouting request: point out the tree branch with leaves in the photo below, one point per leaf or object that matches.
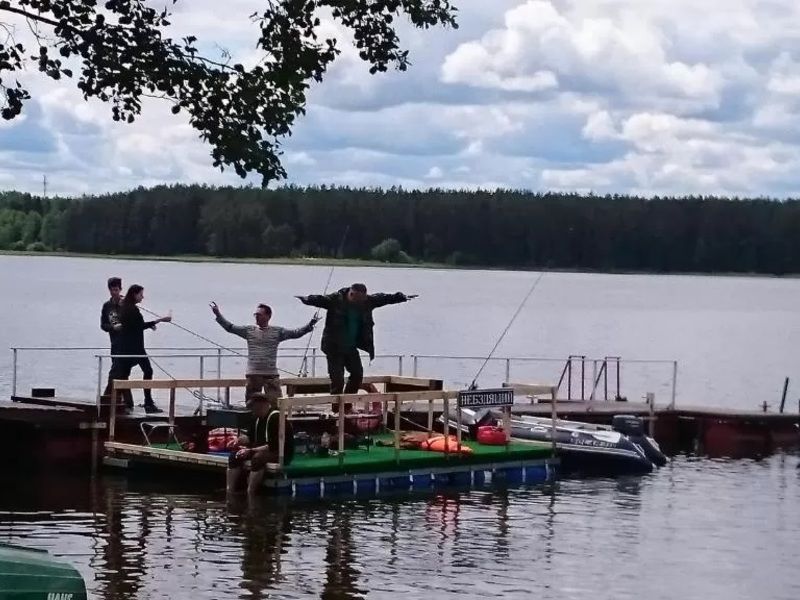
(124, 55)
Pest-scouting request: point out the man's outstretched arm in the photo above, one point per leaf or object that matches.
(378, 300)
(240, 330)
(317, 300)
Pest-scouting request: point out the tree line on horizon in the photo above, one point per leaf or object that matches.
(502, 228)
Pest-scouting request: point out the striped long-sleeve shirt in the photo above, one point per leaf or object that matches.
(262, 344)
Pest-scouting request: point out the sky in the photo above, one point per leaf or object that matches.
(655, 97)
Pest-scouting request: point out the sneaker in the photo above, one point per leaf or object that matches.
(152, 409)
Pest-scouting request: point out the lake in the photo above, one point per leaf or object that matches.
(735, 338)
(697, 528)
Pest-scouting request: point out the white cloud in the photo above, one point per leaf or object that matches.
(662, 96)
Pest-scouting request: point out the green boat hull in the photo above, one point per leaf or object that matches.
(34, 575)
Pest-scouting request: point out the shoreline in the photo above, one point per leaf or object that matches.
(358, 262)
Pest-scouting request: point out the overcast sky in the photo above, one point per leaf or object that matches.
(629, 96)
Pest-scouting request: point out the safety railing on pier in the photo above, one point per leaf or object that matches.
(578, 377)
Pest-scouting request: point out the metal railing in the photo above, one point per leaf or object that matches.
(605, 371)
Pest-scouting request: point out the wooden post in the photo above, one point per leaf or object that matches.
(507, 424)
(171, 409)
(396, 428)
(651, 406)
(281, 431)
(112, 417)
(446, 418)
(458, 428)
(554, 417)
(341, 430)
(227, 396)
(430, 418)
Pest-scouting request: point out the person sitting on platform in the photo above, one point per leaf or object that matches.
(262, 348)
(263, 441)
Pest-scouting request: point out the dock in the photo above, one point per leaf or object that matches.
(81, 434)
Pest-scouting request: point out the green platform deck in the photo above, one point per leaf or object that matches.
(377, 459)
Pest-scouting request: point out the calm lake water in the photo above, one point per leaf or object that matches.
(735, 338)
(698, 528)
(695, 529)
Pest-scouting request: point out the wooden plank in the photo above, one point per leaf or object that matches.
(165, 384)
(172, 407)
(420, 382)
(165, 454)
(533, 388)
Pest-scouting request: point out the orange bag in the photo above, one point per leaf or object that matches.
(437, 444)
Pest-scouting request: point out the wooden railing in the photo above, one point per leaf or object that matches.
(414, 389)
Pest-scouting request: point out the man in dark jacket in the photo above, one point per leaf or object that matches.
(348, 329)
(109, 322)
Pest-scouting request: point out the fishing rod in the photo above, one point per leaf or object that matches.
(474, 385)
(303, 372)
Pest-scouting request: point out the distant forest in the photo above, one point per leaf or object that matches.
(486, 228)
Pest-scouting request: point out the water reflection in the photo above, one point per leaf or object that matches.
(684, 527)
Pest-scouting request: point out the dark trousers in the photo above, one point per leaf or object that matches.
(337, 363)
(116, 372)
(126, 366)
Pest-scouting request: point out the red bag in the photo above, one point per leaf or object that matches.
(491, 435)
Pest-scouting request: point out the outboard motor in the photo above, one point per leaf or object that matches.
(628, 425)
(633, 427)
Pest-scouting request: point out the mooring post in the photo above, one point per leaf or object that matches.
(414, 365)
(219, 374)
(313, 362)
(99, 382)
(554, 418)
(14, 372)
(202, 374)
(281, 430)
(785, 389)
(400, 365)
(508, 369)
(674, 383)
(651, 406)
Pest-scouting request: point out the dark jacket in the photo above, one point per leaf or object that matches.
(108, 317)
(131, 338)
(336, 305)
(266, 432)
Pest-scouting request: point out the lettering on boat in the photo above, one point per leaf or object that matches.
(59, 596)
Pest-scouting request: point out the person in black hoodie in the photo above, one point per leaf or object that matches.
(109, 322)
(348, 329)
(131, 340)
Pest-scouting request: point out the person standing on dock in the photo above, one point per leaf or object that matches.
(109, 322)
(262, 348)
(349, 328)
(132, 341)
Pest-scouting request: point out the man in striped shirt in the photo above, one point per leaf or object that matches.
(262, 348)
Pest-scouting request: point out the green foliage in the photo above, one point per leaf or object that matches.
(388, 250)
(37, 247)
(501, 228)
(123, 52)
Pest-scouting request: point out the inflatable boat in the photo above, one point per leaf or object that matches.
(622, 447)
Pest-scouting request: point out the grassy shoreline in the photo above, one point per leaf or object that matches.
(356, 262)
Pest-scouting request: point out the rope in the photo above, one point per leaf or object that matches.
(196, 393)
(473, 385)
(212, 342)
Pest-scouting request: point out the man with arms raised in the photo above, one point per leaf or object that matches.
(348, 329)
(262, 348)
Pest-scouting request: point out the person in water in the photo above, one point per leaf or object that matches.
(131, 341)
(348, 329)
(109, 322)
(260, 445)
(262, 348)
